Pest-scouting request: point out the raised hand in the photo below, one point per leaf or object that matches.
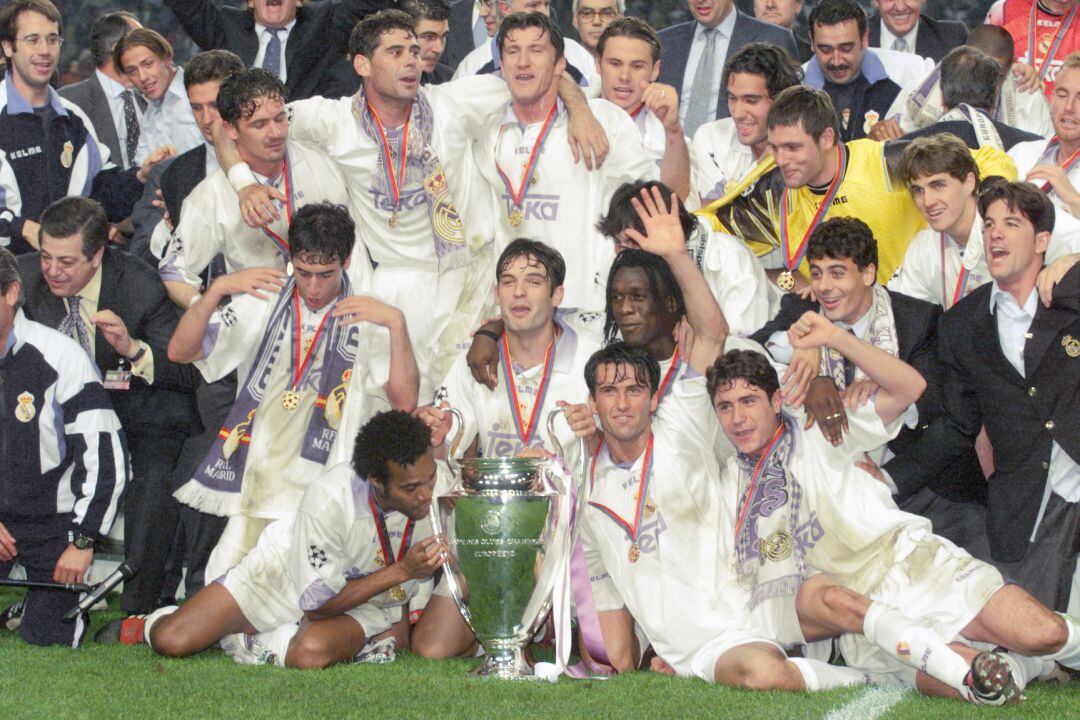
(664, 233)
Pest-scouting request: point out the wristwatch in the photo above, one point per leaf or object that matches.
(138, 355)
(83, 542)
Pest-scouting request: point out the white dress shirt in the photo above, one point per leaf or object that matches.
(888, 38)
(1013, 324)
(169, 121)
(114, 92)
(695, 58)
(264, 40)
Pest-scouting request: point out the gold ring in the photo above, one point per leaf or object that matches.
(832, 417)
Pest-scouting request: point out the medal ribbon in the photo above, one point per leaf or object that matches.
(530, 167)
(397, 181)
(792, 263)
(758, 469)
(961, 280)
(669, 377)
(525, 432)
(300, 367)
(282, 244)
(1059, 37)
(384, 535)
(633, 115)
(642, 492)
(1067, 165)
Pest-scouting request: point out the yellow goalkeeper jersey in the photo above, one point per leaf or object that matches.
(750, 210)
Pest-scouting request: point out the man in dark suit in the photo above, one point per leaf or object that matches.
(686, 64)
(843, 264)
(114, 109)
(899, 25)
(297, 42)
(115, 307)
(784, 13)
(1012, 364)
(969, 87)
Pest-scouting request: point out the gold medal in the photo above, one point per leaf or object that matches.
(1071, 345)
(785, 281)
(634, 553)
(397, 593)
(516, 217)
(393, 219)
(290, 400)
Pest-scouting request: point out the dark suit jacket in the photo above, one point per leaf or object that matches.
(1023, 415)
(459, 42)
(318, 39)
(676, 41)
(132, 290)
(962, 129)
(934, 39)
(90, 97)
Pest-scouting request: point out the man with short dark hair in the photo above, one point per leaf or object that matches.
(65, 463)
(432, 28)
(316, 359)
(628, 56)
(48, 145)
(115, 307)
(725, 150)
(695, 54)
(251, 105)
(326, 585)
(858, 83)
(107, 97)
(1011, 367)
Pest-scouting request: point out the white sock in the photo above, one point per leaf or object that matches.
(1025, 669)
(1069, 654)
(820, 675)
(915, 645)
(149, 620)
(277, 641)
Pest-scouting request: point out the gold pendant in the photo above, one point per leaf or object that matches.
(516, 217)
(634, 553)
(393, 219)
(650, 507)
(1071, 345)
(397, 593)
(785, 281)
(778, 546)
(290, 400)
(379, 559)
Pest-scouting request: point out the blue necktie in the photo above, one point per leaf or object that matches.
(272, 58)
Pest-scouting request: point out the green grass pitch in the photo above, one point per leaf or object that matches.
(103, 682)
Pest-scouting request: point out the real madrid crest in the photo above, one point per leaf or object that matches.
(68, 155)
(25, 410)
(1071, 345)
(870, 119)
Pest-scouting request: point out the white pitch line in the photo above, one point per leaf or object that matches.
(872, 703)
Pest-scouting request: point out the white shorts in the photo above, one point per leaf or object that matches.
(938, 584)
(265, 594)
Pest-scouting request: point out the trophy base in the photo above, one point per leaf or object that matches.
(506, 664)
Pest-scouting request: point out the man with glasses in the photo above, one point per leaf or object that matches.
(591, 18)
(47, 145)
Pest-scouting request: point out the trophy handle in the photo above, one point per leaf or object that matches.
(451, 457)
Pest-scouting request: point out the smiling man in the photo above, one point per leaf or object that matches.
(313, 357)
(857, 82)
(900, 25)
(725, 150)
(251, 105)
(146, 59)
(592, 17)
(331, 584)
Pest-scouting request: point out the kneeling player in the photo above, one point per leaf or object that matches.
(805, 508)
(320, 588)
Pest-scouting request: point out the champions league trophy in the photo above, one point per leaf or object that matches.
(508, 525)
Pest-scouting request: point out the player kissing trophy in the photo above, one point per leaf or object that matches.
(508, 522)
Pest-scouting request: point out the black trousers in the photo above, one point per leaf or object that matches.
(150, 517)
(40, 542)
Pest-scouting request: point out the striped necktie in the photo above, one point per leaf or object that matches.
(73, 326)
